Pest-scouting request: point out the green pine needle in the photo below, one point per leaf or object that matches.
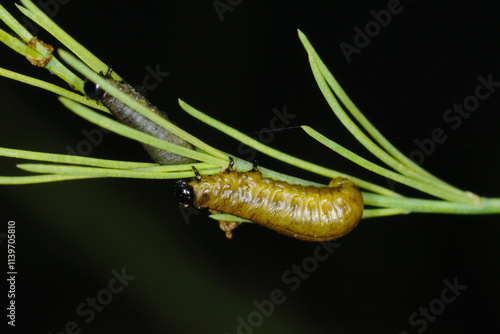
(379, 200)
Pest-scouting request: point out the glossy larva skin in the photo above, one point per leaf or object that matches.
(305, 213)
(132, 118)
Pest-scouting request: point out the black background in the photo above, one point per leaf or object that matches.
(188, 277)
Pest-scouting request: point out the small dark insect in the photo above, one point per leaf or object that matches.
(306, 213)
(132, 118)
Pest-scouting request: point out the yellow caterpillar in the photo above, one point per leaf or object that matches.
(306, 213)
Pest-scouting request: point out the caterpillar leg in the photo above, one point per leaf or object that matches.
(254, 167)
(108, 73)
(230, 166)
(197, 174)
(226, 226)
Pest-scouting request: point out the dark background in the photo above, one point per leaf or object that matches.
(188, 277)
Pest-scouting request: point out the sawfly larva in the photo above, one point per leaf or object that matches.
(134, 119)
(306, 213)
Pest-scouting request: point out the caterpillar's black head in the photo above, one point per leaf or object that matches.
(184, 192)
(93, 91)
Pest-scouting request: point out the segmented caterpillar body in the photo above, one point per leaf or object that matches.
(306, 213)
(132, 118)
